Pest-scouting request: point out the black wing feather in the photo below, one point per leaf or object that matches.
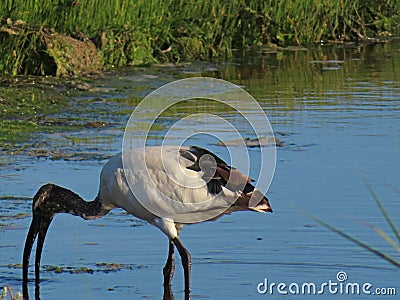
(216, 178)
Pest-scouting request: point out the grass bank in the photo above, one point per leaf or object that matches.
(140, 32)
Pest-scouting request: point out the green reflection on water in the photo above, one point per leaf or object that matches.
(331, 76)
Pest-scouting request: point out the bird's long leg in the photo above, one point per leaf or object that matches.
(186, 263)
(169, 267)
(168, 272)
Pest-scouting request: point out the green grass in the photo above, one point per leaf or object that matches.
(141, 32)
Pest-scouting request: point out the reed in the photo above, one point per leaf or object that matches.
(393, 242)
(141, 32)
(3, 295)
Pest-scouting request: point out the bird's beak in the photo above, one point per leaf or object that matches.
(262, 203)
(38, 228)
(262, 207)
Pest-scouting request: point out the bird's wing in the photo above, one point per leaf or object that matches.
(222, 178)
(216, 172)
(184, 184)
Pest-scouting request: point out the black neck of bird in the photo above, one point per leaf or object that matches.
(86, 209)
(52, 199)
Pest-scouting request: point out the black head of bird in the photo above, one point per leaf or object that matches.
(49, 201)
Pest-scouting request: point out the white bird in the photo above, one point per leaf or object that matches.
(201, 185)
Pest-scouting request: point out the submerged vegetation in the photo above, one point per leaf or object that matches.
(25, 103)
(47, 37)
(99, 267)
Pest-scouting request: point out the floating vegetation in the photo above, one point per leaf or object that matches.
(97, 268)
(113, 267)
(73, 156)
(10, 211)
(71, 37)
(253, 142)
(33, 107)
(8, 197)
(14, 217)
(25, 104)
(14, 266)
(70, 270)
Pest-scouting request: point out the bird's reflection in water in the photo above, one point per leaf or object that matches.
(25, 291)
(168, 293)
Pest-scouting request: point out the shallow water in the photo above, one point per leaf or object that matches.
(337, 112)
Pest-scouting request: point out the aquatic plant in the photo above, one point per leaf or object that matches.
(384, 235)
(18, 295)
(141, 32)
